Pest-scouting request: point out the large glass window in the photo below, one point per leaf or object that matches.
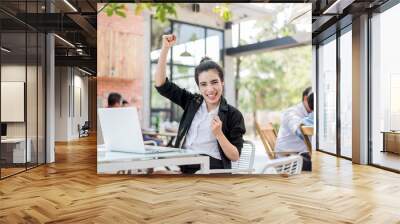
(14, 151)
(193, 43)
(385, 84)
(190, 45)
(215, 45)
(22, 91)
(327, 96)
(288, 19)
(346, 93)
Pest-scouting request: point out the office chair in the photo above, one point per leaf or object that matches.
(245, 163)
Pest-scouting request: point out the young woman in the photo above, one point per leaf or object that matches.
(209, 125)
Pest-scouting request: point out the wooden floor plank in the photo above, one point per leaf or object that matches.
(70, 191)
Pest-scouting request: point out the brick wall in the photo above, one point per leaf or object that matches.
(120, 60)
(130, 89)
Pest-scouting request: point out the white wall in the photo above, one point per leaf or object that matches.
(70, 84)
(61, 103)
(14, 73)
(33, 125)
(79, 117)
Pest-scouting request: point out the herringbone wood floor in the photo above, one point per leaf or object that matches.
(70, 191)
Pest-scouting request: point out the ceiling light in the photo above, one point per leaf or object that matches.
(70, 5)
(84, 71)
(338, 6)
(65, 41)
(5, 50)
(185, 53)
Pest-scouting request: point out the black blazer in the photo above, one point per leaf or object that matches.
(232, 119)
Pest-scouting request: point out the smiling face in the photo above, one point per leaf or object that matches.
(211, 87)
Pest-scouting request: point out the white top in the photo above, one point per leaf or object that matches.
(291, 120)
(200, 137)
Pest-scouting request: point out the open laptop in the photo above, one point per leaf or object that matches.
(121, 131)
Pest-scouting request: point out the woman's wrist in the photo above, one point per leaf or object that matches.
(164, 50)
(219, 135)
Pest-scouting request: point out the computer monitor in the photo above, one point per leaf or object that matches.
(3, 129)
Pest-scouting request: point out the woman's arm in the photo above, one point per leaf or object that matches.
(166, 88)
(229, 149)
(167, 42)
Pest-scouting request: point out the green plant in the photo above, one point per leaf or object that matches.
(223, 11)
(117, 8)
(162, 10)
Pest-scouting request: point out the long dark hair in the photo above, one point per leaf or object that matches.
(207, 64)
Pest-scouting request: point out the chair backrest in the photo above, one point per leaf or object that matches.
(246, 160)
(86, 125)
(287, 165)
(268, 137)
(307, 132)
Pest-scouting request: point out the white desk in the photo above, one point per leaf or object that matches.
(19, 149)
(111, 162)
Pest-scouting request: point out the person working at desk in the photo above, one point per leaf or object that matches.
(290, 138)
(209, 125)
(114, 100)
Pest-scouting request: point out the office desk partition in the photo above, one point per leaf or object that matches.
(13, 150)
(111, 162)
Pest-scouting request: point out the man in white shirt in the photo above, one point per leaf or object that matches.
(290, 138)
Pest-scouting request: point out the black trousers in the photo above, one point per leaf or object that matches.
(307, 165)
(191, 169)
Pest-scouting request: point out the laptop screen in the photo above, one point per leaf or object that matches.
(121, 129)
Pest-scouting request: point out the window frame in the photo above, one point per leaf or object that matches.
(170, 110)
